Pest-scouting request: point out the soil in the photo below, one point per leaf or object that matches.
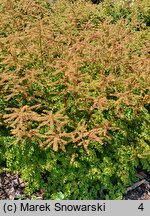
(12, 188)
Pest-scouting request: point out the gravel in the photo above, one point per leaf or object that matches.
(12, 188)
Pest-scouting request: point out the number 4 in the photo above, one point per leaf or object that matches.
(141, 207)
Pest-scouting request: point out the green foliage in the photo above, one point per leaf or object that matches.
(106, 171)
(74, 85)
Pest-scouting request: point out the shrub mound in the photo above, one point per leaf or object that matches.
(75, 95)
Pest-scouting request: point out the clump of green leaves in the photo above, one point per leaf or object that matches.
(75, 91)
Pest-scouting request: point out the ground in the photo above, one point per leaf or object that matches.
(12, 188)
